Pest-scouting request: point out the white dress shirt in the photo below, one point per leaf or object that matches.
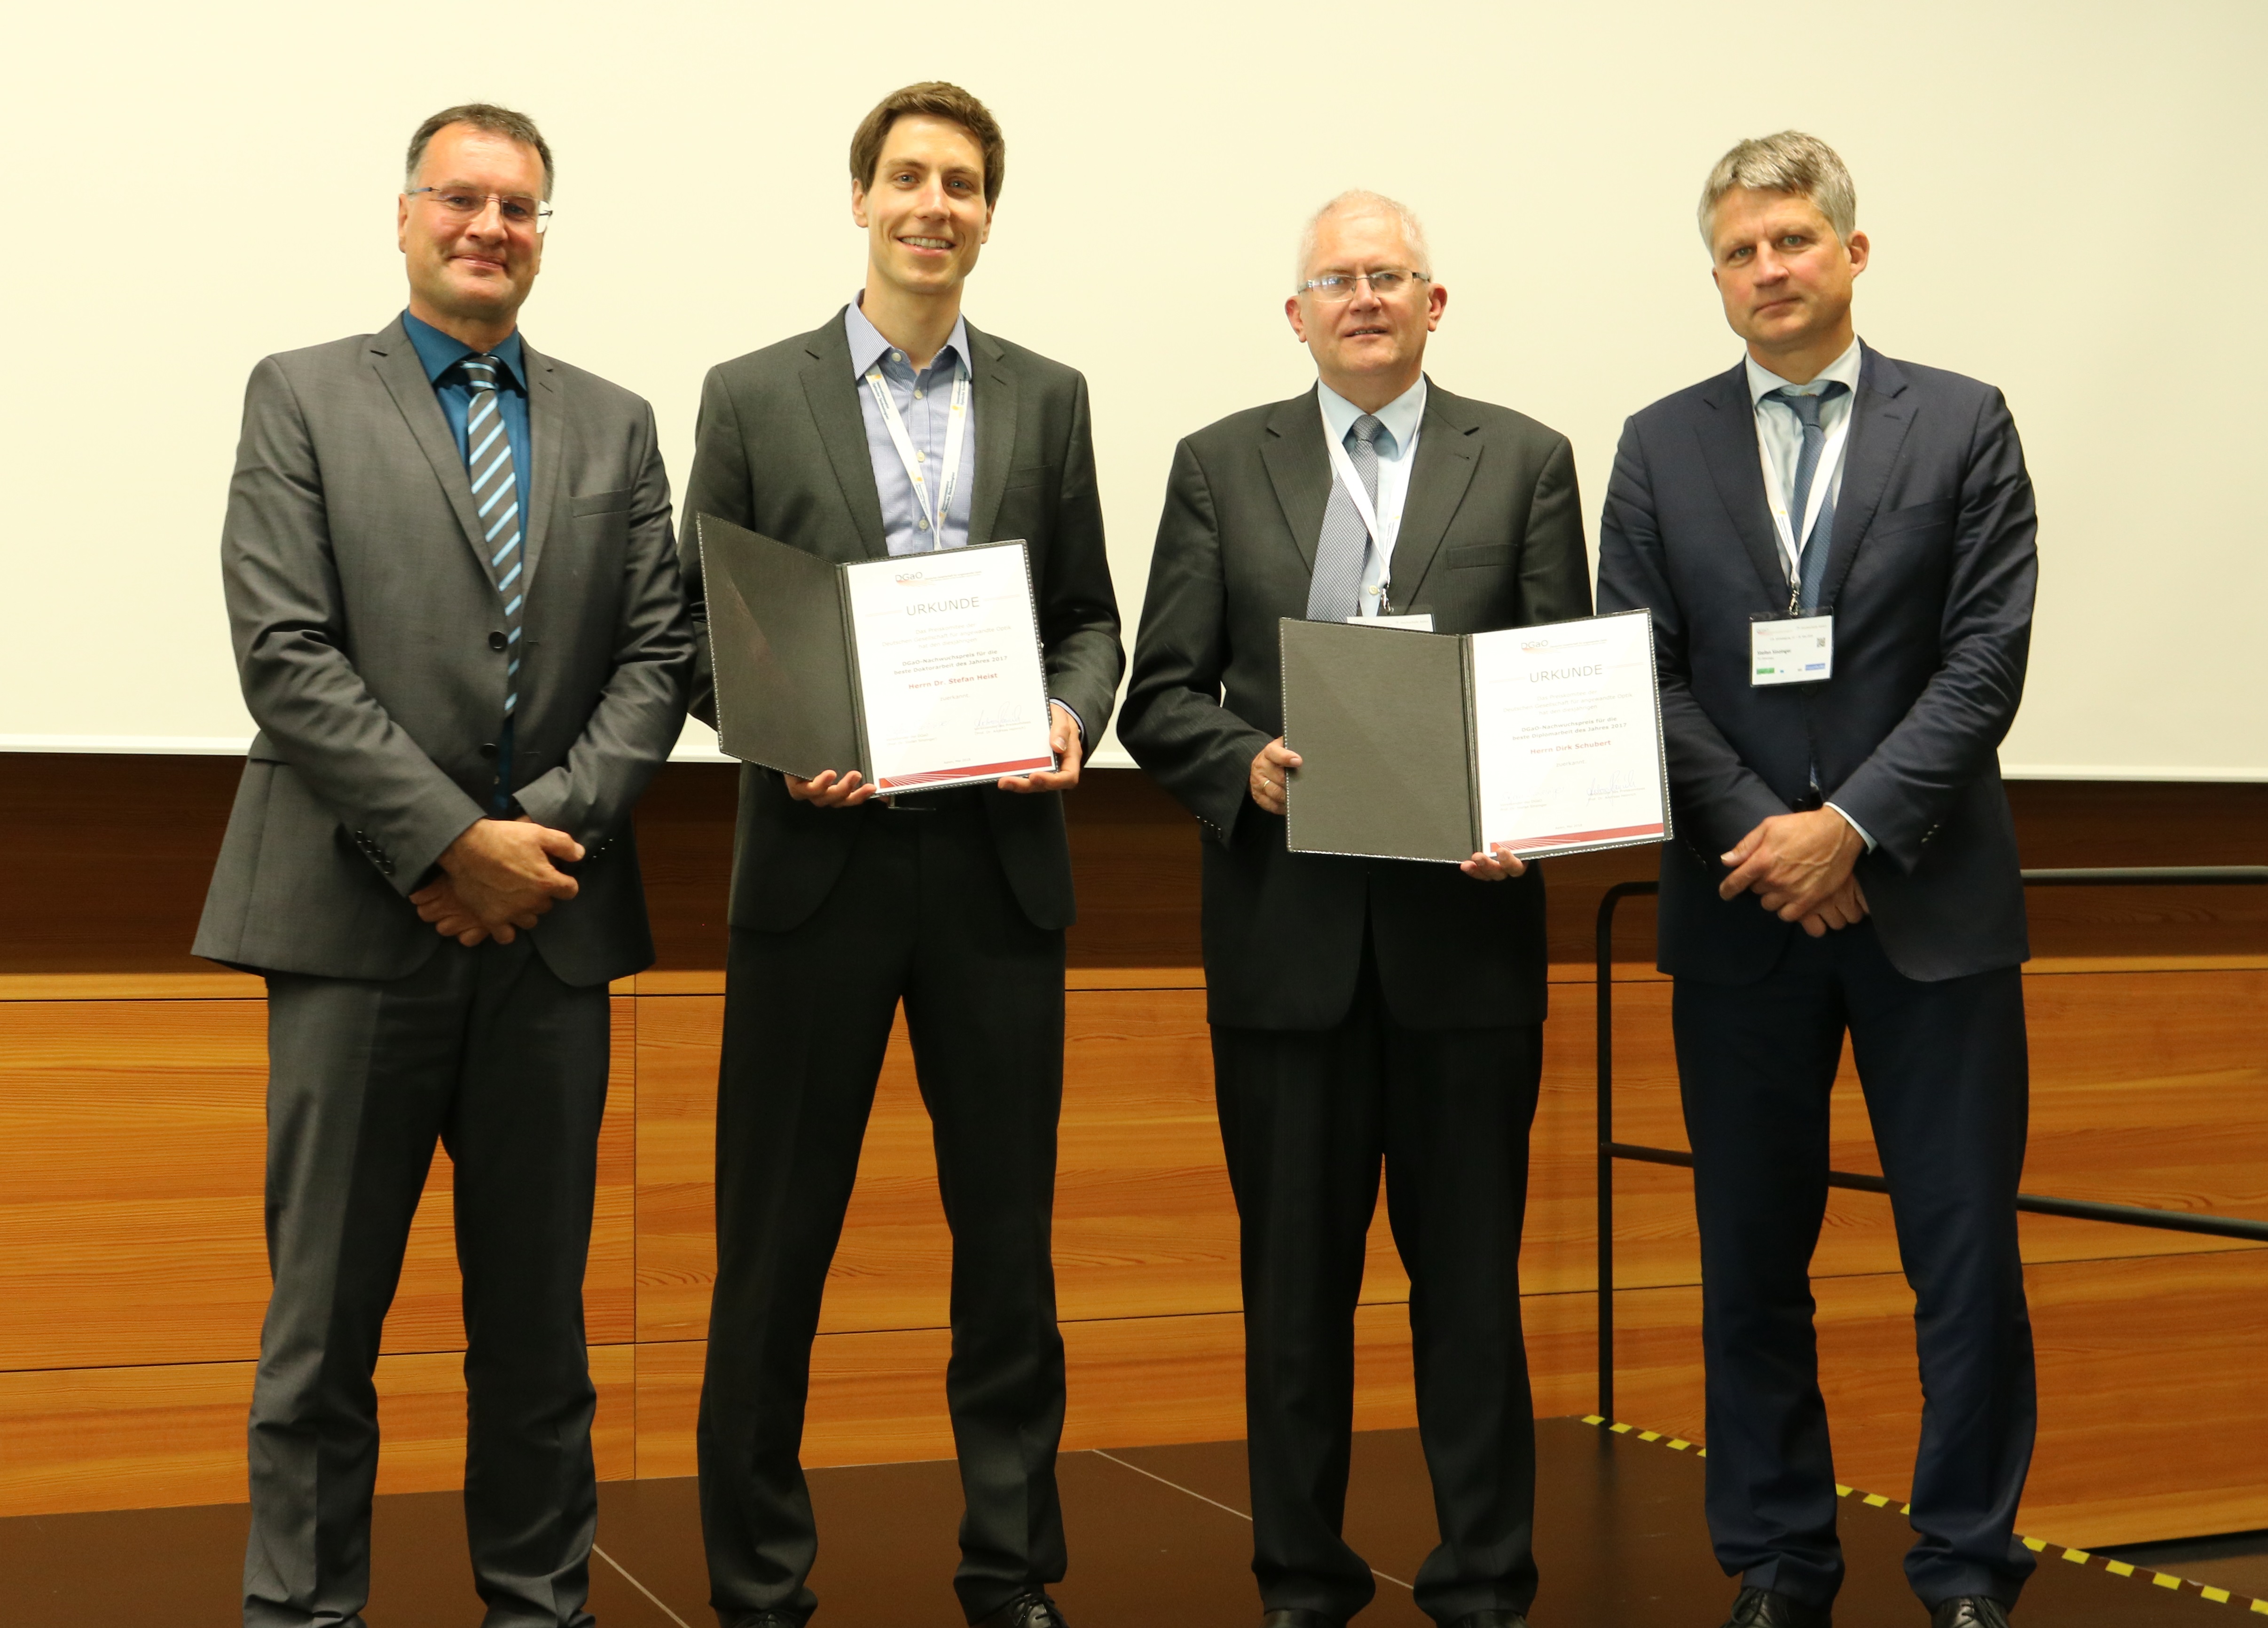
(1397, 454)
(1780, 442)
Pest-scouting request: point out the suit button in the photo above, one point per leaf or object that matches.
(489, 750)
(497, 641)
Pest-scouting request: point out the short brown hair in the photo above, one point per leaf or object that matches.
(1792, 162)
(481, 116)
(939, 100)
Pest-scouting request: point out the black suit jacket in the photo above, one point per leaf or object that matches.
(1491, 537)
(1929, 578)
(781, 449)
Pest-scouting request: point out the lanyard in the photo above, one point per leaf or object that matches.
(1822, 481)
(956, 431)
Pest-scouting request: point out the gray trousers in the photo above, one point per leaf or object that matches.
(487, 1051)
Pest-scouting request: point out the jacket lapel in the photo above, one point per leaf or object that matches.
(404, 376)
(832, 392)
(1299, 468)
(1879, 419)
(546, 428)
(1727, 430)
(1447, 457)
(994, 402)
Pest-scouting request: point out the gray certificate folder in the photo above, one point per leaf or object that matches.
(779, 639)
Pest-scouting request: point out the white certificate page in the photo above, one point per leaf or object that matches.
(1567, 735)
(949, 671)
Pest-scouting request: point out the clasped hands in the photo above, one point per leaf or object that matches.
(829, 789)
(1801, 866)
(1273, 766)
(498, 877)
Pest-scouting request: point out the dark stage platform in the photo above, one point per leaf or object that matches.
(1157, 1537)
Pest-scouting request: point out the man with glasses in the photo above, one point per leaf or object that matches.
(1847, 864)
(1363, 1010)
(897, 428)
(459, 625)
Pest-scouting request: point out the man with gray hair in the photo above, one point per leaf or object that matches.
(459, 625)
(1364, 1011)
(1837, 552)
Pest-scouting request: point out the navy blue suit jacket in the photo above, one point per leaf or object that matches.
(1929, 578)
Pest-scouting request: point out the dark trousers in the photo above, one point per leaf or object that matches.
(1306, 1118)
(923, 914)
(1944, 1070)
(487, 1051)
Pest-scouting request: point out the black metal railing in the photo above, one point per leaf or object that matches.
(2033, 1203)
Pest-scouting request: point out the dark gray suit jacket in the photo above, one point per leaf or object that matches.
(365, 626)
(1929, 578)
(781, 450)
(1491, 537)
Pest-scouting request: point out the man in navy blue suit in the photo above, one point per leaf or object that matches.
(1838, 551)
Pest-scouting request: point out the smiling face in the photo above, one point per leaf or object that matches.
(1367, 349)
(471, 274)
(1785, 278)
(924, 207)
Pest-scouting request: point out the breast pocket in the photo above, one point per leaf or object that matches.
(1471, 556)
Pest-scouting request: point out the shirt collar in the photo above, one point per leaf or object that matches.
(1401, 416)
(868, 347)
(1843, 370)
(440, 352)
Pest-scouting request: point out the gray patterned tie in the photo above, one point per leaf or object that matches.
(1812, 559)
(495, 499)
(1334, 590)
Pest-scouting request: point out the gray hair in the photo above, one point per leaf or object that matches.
(1357, 201)
(487, 116)
(1789, 162)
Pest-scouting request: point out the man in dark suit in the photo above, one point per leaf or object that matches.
(1880, 511)
(854, 442)
(459, 627)
(1363, 1009)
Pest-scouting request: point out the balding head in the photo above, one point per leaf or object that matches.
(1358, 202)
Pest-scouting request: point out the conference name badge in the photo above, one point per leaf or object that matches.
(1792, 650)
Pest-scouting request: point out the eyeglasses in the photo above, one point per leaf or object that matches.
(1339, 287)
(516, 209)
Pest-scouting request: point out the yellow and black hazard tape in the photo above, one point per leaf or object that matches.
(2076, 1557)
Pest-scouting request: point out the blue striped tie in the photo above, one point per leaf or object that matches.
(495, 499)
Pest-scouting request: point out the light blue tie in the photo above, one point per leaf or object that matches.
(1812, 551)
(496, 500)
(1335, 589)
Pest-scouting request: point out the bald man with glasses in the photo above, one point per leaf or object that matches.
(1365, 1012)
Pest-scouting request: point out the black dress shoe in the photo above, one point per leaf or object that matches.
(1491, 1619)
(1761, 1607)
(1031, 1609)
(1969, 1611)
(1299, 1619)
(770, 1619)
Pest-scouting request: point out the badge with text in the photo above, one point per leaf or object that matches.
(1793, 650)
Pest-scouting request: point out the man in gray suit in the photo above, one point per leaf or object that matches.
(898, 428)
(457, 620)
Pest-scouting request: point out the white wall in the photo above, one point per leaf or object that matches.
(2063, 199)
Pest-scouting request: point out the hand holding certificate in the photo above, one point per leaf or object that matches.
(923, 671)
(1538, 741)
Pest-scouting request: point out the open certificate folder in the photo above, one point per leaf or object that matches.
(1422, 745)
(920, 671)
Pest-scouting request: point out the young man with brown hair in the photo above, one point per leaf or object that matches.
(893, 429)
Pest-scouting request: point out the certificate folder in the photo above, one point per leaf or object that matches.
(1424, 745)
(822, 665)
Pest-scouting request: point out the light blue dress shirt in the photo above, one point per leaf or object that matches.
(923, 400)
(440, 354)
(1399, 420)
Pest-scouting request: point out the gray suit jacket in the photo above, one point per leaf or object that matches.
(1491, 537)
(782, 450)
(366, 634)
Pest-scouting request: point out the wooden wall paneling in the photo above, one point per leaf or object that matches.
(139, 1438)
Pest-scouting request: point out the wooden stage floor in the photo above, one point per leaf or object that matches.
(1157, 1535)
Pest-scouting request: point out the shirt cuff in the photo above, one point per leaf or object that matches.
(1081, 722)
(1854, 825)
